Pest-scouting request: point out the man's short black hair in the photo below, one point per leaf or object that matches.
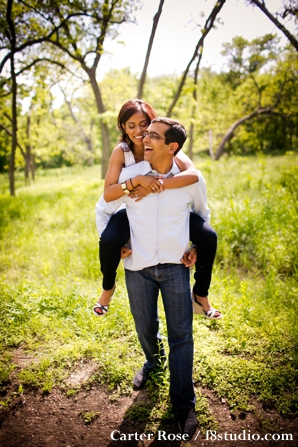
(176, 132)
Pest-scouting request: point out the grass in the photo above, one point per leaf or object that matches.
(50, 279)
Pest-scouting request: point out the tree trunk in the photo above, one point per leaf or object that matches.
(190, 141)
(32, 166)
(28, 148)
(211, 144)
(279, 25)
(207, 27)
(103, 126)
(12, 39)
(230, 133)
(193, 112)
(105, 149)
(154, 27)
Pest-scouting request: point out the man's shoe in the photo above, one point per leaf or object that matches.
(140, 379)
(187, 422)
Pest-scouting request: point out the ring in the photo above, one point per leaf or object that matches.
(153, 189)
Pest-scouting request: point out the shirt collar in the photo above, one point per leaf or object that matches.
(173, 171)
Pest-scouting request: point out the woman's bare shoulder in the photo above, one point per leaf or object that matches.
(117, 153)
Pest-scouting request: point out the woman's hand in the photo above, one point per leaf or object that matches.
(139, 193)
(149, 182)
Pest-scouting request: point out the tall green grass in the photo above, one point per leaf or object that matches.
(50, 279)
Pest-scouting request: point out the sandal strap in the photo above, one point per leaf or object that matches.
(212, 314)
(104, 309)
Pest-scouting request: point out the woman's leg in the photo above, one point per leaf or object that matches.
(113, 238)
(205, 238)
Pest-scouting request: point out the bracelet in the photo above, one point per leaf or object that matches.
(131, 184)
(124, 188)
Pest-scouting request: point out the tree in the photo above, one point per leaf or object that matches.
(230, 132)
(207, 27)
(192, 120)
(77, 31)
(82, 39)
(245, 59)
(154, 27)
(11, 35)
(264, 93)
(17, 38)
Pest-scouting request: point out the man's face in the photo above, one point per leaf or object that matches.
(155, 148)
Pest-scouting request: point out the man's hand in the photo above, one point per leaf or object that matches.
(125, 252)
(190, 257)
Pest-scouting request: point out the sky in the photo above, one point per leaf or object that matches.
(178, 34)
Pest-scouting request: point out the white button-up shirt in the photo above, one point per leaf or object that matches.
(159, 223)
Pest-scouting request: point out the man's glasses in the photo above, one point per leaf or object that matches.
(153, 136)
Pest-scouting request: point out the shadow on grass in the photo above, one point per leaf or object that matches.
(137, 427)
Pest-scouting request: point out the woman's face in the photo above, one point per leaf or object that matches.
(135, 126)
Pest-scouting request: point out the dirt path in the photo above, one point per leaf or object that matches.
(55, 420)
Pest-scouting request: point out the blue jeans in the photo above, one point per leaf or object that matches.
(117, 233)
(143, 287)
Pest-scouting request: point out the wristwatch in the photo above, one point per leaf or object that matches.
(124, 188)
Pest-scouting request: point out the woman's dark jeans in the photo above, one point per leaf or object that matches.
(113, 238)
(117, 233)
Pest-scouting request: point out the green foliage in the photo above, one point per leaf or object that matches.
(245, 58)
(89, 416)
(71, 36)
(259, 217)
(6, 366)
(140, 412)
(50, 280)
(255, 77)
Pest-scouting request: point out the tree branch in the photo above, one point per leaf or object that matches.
(154, 27)
(230, 133)
(32, 42)
(10, 134)
(207, 27)
(280, 26)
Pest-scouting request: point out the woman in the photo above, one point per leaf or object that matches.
(133, 120)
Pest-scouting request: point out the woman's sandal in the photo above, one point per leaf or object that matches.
(211, 314)
(102, 309)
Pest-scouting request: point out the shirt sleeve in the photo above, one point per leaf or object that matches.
(104, 211)
(199, 202)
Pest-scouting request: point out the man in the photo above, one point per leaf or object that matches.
(159, 228)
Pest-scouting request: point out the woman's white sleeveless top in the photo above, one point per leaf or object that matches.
(129, 159)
